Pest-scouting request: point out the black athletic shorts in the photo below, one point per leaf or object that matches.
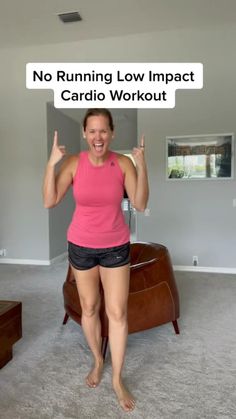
(83, 258)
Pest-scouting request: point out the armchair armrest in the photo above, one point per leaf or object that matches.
(141, 265)
(70, 276)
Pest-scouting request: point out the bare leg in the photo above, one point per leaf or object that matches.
(115, 283)
(88, 288)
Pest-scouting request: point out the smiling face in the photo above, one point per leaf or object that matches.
(98, 135)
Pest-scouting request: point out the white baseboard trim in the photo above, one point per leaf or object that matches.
(59, 258)
(10, 261)
(206, 269)
(38, 262)
(63, 256)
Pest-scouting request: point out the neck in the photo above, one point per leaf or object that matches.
(98, 160)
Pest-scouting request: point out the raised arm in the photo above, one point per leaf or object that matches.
(56, 185)
(136, 178)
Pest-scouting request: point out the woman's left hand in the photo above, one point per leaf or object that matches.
(138, 153)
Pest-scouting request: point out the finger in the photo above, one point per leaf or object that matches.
(142, 142)
(62, 148)
(55, 139)
(135, 151)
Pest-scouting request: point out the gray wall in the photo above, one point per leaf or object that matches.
(126, 126)
(191, 218)
(23, 220)
(60, 216)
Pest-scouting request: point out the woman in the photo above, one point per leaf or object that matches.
(98, 238)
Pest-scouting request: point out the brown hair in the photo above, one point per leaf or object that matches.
(97, 112)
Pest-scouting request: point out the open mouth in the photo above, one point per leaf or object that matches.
(98, 146)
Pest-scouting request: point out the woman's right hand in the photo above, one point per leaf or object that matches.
(58, 151)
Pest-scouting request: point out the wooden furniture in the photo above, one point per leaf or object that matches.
(10, 328)
(153, 295)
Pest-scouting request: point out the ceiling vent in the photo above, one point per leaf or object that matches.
(70, 17)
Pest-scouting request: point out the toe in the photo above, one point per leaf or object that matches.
(127, 405)
(90, 383)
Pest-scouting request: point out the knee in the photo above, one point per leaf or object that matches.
(90, 309)
(117, 314)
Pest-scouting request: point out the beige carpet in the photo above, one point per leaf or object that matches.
(190, 376)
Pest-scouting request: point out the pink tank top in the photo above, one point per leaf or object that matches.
(98, 220)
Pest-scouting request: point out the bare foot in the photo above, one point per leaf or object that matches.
(95, 375)
(126, 399)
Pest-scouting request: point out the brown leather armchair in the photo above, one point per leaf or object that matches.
(153, 296)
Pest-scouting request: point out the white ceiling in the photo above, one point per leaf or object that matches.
(35, 22)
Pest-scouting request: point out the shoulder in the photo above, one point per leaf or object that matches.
(125, 162)
(70, 164)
